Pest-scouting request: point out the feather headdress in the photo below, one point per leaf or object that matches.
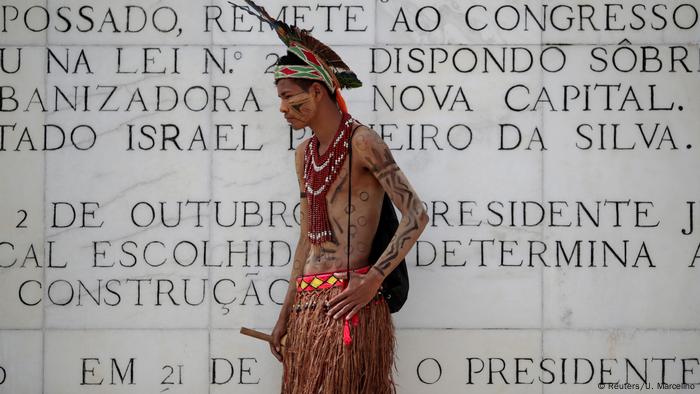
(323, 63)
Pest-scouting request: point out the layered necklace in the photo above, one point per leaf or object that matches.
(319, 174)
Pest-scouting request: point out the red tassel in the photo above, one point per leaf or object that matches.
(355, 320)
(346, 333)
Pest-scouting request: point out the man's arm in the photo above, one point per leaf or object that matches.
(376, 156)
(300, 255)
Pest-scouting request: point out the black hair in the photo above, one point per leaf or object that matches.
(291, 59)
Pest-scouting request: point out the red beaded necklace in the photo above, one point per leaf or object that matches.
(319, 177)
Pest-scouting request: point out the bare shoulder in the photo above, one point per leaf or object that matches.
(299, 153)
(372, 149)
(362, 132)
(299, 150)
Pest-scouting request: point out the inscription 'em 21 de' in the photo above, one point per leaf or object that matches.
(121, 372)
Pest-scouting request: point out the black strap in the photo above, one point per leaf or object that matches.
(349, 210)
(349, 198)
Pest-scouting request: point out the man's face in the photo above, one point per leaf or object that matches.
(298, 106)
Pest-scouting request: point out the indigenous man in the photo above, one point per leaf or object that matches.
(339, 332)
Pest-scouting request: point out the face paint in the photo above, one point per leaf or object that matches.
(302, 106)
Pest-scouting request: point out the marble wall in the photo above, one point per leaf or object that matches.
(150, 206)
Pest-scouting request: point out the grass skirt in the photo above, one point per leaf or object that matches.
(315, 358)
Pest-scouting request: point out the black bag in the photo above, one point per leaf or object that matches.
(395, 285)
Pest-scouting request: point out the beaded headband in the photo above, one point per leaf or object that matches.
(313, 70)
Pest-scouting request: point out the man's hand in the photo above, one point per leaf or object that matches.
(277, 334)
(361, 289)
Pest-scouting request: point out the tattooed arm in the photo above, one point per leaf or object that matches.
(376, 156)
(300, 256)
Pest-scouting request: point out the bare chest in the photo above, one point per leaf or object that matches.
(353, 213)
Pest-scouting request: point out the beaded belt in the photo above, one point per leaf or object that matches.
(324, 280)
